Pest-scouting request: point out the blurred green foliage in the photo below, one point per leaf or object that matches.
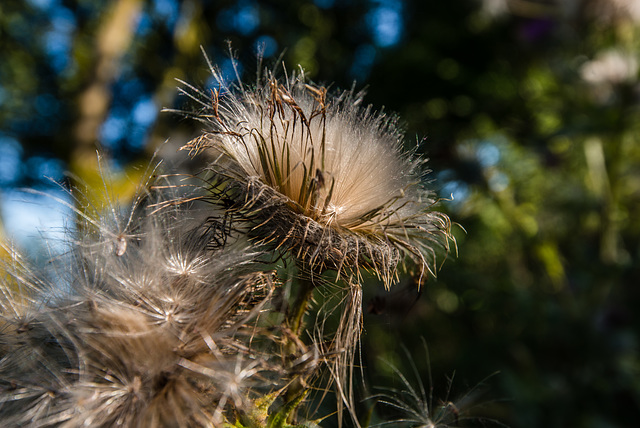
(527, 110)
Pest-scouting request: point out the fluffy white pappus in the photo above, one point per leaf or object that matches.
(318, 174)
(159, 334)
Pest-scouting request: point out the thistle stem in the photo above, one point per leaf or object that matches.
(295, 321)
(305, 292)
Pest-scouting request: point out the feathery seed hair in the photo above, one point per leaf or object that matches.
(319, 175)
(165, 333)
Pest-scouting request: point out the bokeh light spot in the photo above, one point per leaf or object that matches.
(385, 21)
(10, 157)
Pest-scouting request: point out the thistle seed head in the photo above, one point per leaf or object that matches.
(166, 333)
(318, 175)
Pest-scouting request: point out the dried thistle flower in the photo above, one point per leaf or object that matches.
(318, 175)
(165, 333)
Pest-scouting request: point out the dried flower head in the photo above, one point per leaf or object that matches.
(165, 333)
(318, 175)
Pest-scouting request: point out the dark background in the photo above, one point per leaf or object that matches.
(528, 111)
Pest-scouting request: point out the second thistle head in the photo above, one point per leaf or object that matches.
(318, 175)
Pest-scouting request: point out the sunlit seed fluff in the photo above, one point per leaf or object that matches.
(319, 175)
(150, 336)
